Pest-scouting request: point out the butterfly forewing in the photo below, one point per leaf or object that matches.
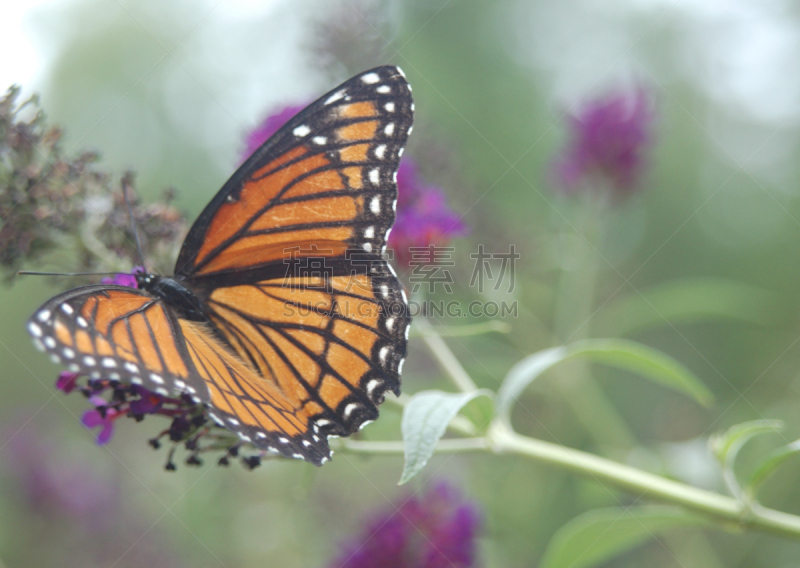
(328, 177)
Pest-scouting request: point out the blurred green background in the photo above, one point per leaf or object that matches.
(170, 88)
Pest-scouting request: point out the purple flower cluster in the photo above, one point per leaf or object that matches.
(436, 530)
(609, 138)
(423, 217)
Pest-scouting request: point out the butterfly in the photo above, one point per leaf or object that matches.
(283, 317)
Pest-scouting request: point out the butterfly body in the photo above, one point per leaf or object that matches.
(283, 318)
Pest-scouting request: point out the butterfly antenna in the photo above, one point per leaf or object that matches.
(126, 183)
(37, 273)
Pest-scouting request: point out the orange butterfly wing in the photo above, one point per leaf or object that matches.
(274, 366)
(128, 335)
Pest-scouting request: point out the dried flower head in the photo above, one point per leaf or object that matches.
(51, 204)
(436, 530)
(609, 140)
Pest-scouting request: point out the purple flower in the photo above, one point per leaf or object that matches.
(102, 417)
(124, 278)
(609, 138)
(147, 403)
(67, 382)
(270, 126)
(423, 217)
(437, 530)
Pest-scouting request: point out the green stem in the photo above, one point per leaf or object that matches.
(574, 309)
(503, 440)
(444, 356)
(448, 446)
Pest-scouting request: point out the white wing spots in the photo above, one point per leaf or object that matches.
(371, 78)
(372, 385)
(191, 390)
(380, 151)
(109, 363)
(39, 345)
(389, 129)
(323, 460)
(383, 353)
(388, 232)
(131, 368)
(68, 353)
(394, 205)
(114, 376)
(34, 329)
(403, 75)
(321, 422)
(384, 89)
(349, 409)
(410, 128)
(364, 424)
(319, 140)
(412, 107)
(369, 232)
(306, 443)
(283, 440)
(89, 361)
(260, 435)
(400, 152)
(375, 176)
(216, 419)
(389, 107)
(136, 380)
(297, 456)
(402, 290)
(315, 438)
(158, 379)
(391, 269)
(375, 205)
(67, 309)
(335, 97)
(162, 391)
(394, 177)
(74, 367)
(44, 315)
(180, 384)
(55, 358)
(400, 366)
(81, 322)
(233, 421)
(384, 290)
(408, 330)
(390, 324)
(368, 247)
(244, 437)
(301, 131)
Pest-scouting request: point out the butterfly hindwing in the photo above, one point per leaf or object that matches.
(127, 335)
(334, 341)
(327, 177)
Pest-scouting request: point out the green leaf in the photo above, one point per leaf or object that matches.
(425, 419)
(769, 465)
(687, 301)
(594, 537)
(619, 353)
(726, 446)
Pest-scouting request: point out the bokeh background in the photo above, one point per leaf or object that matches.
(170, 89)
